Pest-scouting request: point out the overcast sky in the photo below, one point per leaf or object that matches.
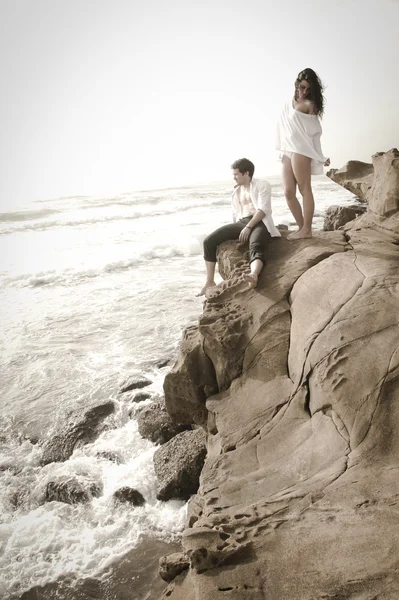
(107, 96)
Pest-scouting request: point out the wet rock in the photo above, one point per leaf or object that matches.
(338, 216)
(178, 465)
(156, 425)
(74, 435)
(111, 456)
(134, 383)
(163, 363)
(172, 565)
(141, 396)
(282, 227)
(130, 495)
(72, 491)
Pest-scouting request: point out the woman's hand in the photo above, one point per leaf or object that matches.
(327, 163)
(244, 235)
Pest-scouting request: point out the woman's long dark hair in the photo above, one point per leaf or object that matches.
(315, 93)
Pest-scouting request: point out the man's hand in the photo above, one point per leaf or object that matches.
(327, 163)
(244, 235)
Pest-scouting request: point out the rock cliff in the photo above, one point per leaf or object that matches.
(297, 386)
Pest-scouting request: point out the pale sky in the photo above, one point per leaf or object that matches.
(110, 96)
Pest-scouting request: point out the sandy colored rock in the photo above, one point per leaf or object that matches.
(299, 493)
(355, 176)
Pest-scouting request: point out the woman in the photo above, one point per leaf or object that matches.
(298, 139)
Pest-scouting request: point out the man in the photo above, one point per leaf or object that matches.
(252, 216)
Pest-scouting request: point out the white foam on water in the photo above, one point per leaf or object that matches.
(43, 541)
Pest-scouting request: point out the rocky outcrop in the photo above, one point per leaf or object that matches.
(299, 493)
(178, 465)
(156, 425)
(355, 176)
(75, 434)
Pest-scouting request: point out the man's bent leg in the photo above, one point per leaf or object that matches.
(258, 242)
(217, 237)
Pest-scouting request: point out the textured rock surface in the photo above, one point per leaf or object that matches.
(76, 434)
(178, 465)
(338, 216)
(156, 425)
(172, 565)
(299, 494)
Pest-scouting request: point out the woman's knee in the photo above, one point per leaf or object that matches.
(305, 188)
(290, 194)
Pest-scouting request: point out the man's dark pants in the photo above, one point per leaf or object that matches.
(258, 239)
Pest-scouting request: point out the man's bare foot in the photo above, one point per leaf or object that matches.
(251, 278)
(209, 284)
(300, 235)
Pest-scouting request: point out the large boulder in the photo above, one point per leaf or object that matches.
(156, 425)
(355, 176)
(299, 492)
(80, 431)
(178, 465)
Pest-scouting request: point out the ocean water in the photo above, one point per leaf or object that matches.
(94, 290)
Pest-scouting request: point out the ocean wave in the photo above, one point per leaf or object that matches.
(95, 220)
(71, 277)
(27, 215)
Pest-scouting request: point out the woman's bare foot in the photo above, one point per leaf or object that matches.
(251, 279)
(300, 235)
(203, 291)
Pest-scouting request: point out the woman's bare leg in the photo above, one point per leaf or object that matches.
(289, 187)
(301, 166)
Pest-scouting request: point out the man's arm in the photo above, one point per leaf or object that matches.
(246, 232)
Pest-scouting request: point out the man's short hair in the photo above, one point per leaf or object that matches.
(244, 165)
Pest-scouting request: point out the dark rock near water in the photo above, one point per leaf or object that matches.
(163, 363)
(61, 446)
(111, 456)
(178, 465)
(130, 495)
(156, 425)
(133, 383)
(172, 565)
(141, 396)
(72, 491)
(338, 216)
